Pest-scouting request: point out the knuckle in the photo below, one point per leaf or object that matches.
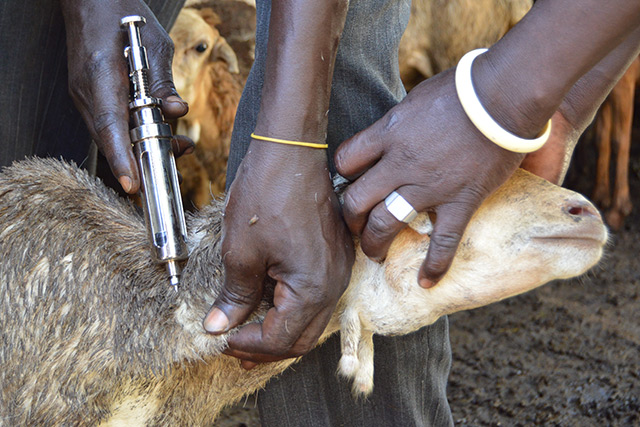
(340, 161)
(354, 206)
(278, 345)
(97, 62)
(300, 349)
(447, 240)
(165, 45)
(163, 88)
(436, 268)
(235, 294)
(379, 227)
(474, 194)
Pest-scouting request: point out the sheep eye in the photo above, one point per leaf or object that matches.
(201, 47)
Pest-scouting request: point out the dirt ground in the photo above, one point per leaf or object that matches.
(566, 354)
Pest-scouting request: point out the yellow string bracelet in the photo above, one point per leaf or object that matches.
(287, 142)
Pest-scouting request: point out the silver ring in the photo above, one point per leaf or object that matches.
(400, 208)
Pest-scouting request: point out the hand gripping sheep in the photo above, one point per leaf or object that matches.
(92, 336)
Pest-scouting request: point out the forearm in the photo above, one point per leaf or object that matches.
(578, 109)
(585, 97)
(301, 52)
(524, 78)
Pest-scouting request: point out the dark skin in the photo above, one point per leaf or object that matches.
(446, 165)
(574, 115)
(299, 239)
(99, 82)
(426, 148)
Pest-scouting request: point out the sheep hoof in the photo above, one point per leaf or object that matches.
(362, 383)
(349, 365)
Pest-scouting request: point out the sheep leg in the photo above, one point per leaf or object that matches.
(350, 331)
(601, 194)
(622, 139)
(363, 381)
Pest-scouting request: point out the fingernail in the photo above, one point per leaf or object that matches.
(125, 182)
(175, 99)
(189, 149)
(426, 283)
(248, 365)
(216, 321)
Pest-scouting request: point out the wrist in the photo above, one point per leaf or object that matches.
(286, 157)
(520, 104)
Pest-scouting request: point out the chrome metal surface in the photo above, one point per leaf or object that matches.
(400, 208)
(151, 138)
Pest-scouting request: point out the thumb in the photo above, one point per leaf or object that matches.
(162, 87)
(451, 221)
(161, 84)
(239, 296)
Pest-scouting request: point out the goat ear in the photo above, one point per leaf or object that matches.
(210, 17)
(223, 51)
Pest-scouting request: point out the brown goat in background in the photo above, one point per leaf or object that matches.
(204, 69)
(613, 129)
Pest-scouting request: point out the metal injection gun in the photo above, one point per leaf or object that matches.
(151, 138)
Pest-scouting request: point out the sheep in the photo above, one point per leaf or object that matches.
(237, 25)
(614, 124)
(203, 68)
(197, 43)
(93, 335)
(441, 31)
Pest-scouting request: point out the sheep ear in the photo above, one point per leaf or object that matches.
(210, 17)
(223, 51)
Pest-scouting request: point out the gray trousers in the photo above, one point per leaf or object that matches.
(38, 116)
(410, 371)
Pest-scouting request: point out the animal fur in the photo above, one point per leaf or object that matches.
(440, 32)
(93, 334)
(204, 69)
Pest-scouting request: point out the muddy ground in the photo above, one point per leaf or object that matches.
(566, 354)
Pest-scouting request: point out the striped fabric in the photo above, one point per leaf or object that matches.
(410, 372)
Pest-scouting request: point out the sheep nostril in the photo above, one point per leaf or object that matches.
(576, 210)
(581, 209)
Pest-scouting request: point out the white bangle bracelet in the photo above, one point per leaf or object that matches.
(482, 120)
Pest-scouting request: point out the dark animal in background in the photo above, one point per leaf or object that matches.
(613, 133)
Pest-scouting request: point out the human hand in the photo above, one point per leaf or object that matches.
(551, 161)
(281, 222)
(99, 82)
(426, 149)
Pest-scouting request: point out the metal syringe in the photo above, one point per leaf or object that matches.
(151, 138)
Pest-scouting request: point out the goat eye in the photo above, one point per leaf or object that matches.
(201, 47)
